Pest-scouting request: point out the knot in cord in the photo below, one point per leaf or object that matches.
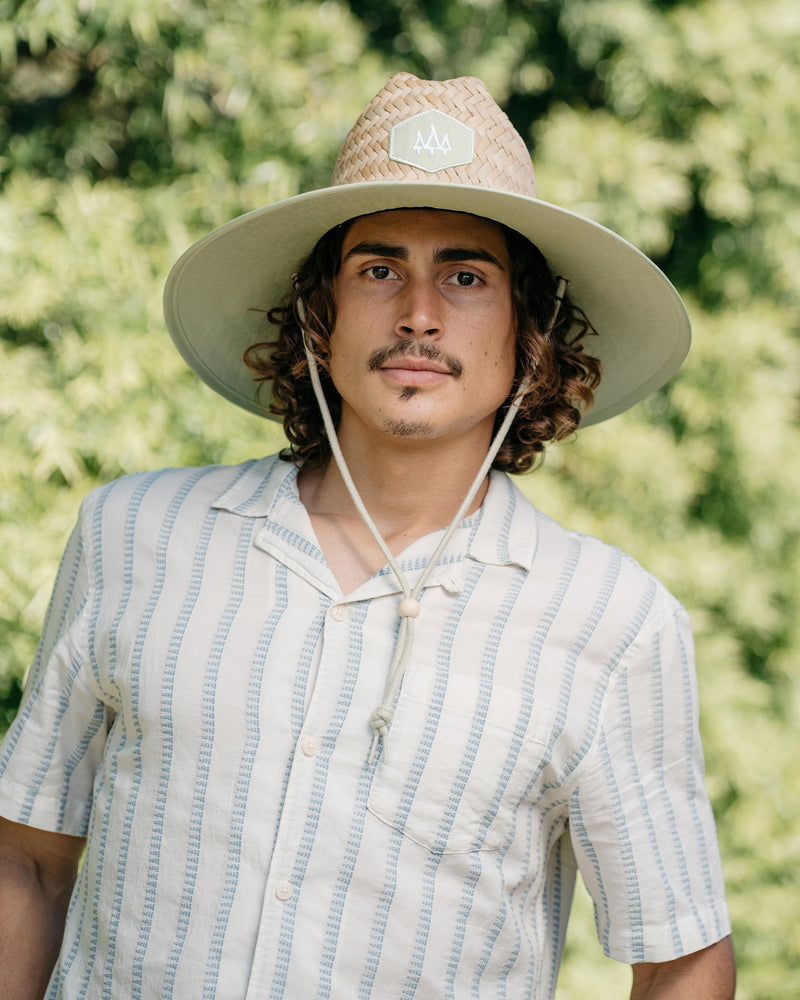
(380, 720)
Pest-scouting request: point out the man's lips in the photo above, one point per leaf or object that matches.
(415, 371)
(416, 365)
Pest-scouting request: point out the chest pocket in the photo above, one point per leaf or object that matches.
(460, 764)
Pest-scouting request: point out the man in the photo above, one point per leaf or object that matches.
(349, 725)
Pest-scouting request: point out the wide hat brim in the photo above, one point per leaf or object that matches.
(217, 292)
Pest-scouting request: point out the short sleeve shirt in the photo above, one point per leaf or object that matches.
(200, 708)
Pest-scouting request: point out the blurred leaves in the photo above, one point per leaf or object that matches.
(129, 128)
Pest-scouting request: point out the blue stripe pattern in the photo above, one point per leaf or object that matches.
(199, 709)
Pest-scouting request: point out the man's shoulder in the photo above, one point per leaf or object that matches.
(592, 560)
(184, 491)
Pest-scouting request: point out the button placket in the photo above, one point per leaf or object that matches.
(308, 746)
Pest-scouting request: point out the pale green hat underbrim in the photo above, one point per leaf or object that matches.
(217, 292)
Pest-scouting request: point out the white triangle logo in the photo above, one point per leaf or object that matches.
(433, 144)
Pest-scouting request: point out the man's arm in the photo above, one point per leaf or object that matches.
(37, 873)
(709, 974)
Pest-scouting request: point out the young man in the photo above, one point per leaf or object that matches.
(349, 725)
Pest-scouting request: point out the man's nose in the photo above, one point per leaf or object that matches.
(420, 312)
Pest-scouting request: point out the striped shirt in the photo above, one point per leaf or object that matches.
(200, 706)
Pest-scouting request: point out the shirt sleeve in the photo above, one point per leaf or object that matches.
(49, 756)
(640, 819)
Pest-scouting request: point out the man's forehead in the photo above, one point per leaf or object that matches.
(398, 227)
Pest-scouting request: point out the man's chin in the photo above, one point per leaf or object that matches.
(411, 430)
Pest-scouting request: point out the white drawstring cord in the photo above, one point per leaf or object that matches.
(408, 608)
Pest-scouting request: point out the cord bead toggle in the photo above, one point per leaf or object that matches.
(409, 608)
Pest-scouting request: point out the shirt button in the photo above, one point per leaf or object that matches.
(310, 745)
(283, 890)
(338, 612)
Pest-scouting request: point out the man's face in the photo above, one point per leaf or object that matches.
(424, 343)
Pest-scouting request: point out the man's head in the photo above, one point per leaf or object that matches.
(467, 300)
(442, 145)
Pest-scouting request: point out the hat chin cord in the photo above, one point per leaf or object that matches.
(409, 607)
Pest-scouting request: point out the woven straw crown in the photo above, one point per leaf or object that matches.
(501, 159)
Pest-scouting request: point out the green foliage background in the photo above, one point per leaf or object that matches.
(130, 127)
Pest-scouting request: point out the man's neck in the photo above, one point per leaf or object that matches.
(409, 490)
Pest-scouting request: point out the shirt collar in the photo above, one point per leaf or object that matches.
(502, 532)
(255, 491)
(508, 528)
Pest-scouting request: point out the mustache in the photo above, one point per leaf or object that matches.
(430, 352)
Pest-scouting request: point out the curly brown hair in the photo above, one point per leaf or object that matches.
(561, 376)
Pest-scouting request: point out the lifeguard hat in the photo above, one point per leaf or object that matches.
(426, 144)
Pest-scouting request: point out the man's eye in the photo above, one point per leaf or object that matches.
(379, 271)
(464, 278)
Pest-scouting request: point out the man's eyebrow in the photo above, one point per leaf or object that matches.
(453, 255)
(370, 249)
(446, 255)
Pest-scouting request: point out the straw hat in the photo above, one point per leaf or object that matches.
(426, 144)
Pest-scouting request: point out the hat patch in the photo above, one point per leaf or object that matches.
(432, 141)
